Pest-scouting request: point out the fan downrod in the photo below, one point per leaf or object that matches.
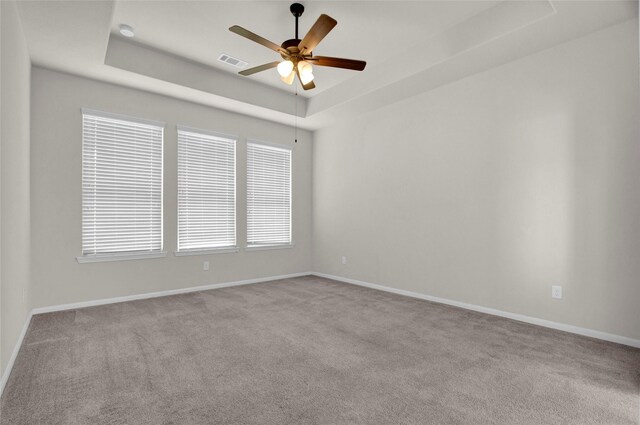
(296, 10)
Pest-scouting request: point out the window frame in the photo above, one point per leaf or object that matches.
(121, 255)
(213, 250)
(272, 246)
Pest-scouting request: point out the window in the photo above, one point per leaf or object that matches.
(206, 191)
(268, 195)
(121, 186)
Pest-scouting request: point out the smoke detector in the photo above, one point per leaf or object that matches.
(127, 30)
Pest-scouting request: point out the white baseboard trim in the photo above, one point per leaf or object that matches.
(514, 316)
(50, 309)
(4, 377)
(83, 304)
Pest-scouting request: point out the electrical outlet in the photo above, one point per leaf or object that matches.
(556, 292)
(205, 266)
(344, 260)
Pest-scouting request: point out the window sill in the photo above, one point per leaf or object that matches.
(267, 247)
(206, 251)
(100, 258)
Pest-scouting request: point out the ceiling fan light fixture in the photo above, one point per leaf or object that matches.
(296, 51)
(306, 72)
(285, 68)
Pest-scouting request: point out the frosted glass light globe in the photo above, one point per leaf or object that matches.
(306, 72)
(289, 79)
(285, 68)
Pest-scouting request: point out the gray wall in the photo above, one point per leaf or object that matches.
(56, 195)
(14, 182)
(492, 189)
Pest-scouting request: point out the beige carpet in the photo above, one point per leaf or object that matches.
(311, 351)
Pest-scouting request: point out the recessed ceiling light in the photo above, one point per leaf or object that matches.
(127, 30)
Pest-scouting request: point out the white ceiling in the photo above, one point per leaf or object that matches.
(410, 47)
(373, 31)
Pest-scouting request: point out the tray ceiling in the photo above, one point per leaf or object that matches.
(410, 47)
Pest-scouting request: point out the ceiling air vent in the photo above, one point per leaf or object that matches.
(232, 61)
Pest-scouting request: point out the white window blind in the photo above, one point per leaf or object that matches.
(206, 191)
(121, 184)
(268, 195)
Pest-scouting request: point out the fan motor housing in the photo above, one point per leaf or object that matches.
(293, 42)
(291, 46)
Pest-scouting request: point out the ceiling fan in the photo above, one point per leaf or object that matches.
(298, 54)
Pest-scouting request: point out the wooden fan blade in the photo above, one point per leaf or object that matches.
(318, 31)
(310, 85)
(352, 64)
(259, 68)
(255, 37)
